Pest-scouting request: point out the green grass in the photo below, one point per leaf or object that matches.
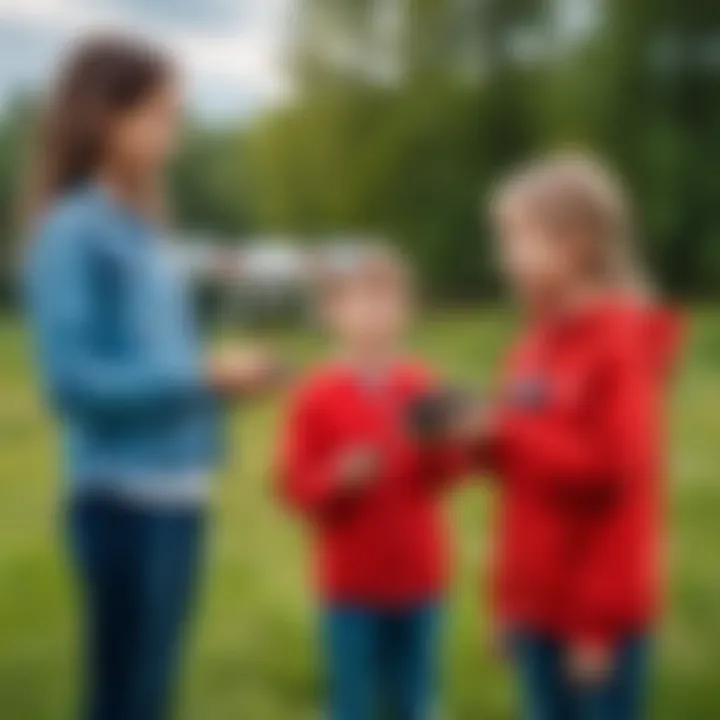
(254, 654)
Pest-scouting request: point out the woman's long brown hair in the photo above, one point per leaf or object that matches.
(102, 78)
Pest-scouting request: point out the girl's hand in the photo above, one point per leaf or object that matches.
(358, 466)
(499, 640)
(235, 371)
(589, 664)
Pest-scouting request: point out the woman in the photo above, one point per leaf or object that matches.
(136, 399)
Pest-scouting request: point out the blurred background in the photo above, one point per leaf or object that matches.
(313, 119)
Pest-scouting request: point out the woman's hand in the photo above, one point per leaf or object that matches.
(236, 371)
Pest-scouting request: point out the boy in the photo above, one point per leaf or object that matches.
(371, 491)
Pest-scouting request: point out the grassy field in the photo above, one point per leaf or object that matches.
(254, 654)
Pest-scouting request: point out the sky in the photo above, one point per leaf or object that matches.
(231, 50)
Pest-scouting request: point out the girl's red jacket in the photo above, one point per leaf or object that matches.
(579, 453)
(384, 545)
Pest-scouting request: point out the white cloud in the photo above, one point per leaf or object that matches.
(231, 50)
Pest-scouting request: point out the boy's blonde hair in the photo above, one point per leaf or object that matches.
(357, 262)
(577, 196)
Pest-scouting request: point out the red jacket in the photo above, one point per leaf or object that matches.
(579, 450)
(385, 545)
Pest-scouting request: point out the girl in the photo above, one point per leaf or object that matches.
(371, 493)
(577, 445)
(122, 367)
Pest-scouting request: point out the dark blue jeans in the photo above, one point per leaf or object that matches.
(138, 569)
(547, 694)
(382, 664)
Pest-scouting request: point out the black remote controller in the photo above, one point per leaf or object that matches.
(432, 415)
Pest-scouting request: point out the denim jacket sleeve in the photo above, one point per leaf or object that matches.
(62, 296)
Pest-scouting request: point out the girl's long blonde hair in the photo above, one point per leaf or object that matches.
(579, 198)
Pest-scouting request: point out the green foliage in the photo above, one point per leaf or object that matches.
(404, 112)
(15, 126)
(211, 186)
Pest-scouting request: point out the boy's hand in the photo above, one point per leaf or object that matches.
(589, 664)
(238, 371)
(473, 423)
(358, 466)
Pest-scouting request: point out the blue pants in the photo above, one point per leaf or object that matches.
(138, 569)
(547, 694)
(382, 663)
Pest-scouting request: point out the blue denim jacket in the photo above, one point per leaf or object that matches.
(117, 346)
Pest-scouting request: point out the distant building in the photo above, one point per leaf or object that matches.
(259, 261)
(263, 278)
